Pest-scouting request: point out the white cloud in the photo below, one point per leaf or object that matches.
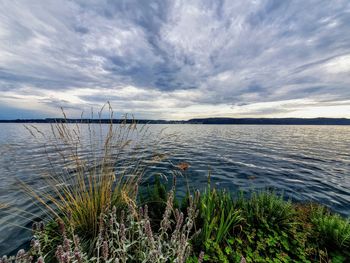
(177, 59)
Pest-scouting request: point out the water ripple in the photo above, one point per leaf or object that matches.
(306, 163)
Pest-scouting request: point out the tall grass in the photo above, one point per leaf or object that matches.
(267, 209)
(91, 168)
(333, 230)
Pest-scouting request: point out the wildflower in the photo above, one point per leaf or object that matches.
(76, 241)
(66, 244)
(179, 220)
(4, 259)
(40, 260)
(122, 215)
(165, 223)
(36, 245)
(20, 254)
(65, 258)
(243, 260)
(141, 212)
(148, 231)
(122, 233)
(78, 255)
(201, 257)
(61, 226)
(105, 250)
(59, 253)
(145, 212)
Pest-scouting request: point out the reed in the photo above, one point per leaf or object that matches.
(89, 172)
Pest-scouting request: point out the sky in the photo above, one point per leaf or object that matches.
(175, 59)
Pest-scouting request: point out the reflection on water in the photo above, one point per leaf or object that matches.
(307, 163)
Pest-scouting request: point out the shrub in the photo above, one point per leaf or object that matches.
(269, 231)
(333, 230)
(269, 210)
(125, 238)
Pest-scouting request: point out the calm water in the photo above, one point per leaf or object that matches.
(307, 163)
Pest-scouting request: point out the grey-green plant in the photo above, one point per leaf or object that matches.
(125, 237)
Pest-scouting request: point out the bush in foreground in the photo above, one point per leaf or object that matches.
(232, 230)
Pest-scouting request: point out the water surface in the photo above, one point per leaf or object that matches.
(307, 163)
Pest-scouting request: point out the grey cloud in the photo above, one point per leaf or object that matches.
(233, 52)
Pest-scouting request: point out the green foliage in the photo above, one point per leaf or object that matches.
(332, 229)
(155, 197)
(269, 210)
(219, 215)
(262, 245)
(261, 228)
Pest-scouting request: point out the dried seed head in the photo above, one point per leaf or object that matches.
(105, 250)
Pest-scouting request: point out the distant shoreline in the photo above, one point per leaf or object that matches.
(214, 121)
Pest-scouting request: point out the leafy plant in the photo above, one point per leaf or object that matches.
(269, 210)
(219, 215)
(333, 230)
(125, 238)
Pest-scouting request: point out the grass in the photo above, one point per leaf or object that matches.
(96, 213)
(89, 173)
(267, 208)
(218, 214)
(333, 231)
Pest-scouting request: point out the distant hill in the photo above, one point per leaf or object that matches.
(228, 121)
(60, 120)
(273, 121)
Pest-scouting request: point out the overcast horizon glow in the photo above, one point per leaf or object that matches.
(175, 59)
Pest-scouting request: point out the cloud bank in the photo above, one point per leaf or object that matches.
(175, 59)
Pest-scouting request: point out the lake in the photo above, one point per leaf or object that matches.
(306, 163)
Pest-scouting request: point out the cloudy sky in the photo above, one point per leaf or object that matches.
(175, 59)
